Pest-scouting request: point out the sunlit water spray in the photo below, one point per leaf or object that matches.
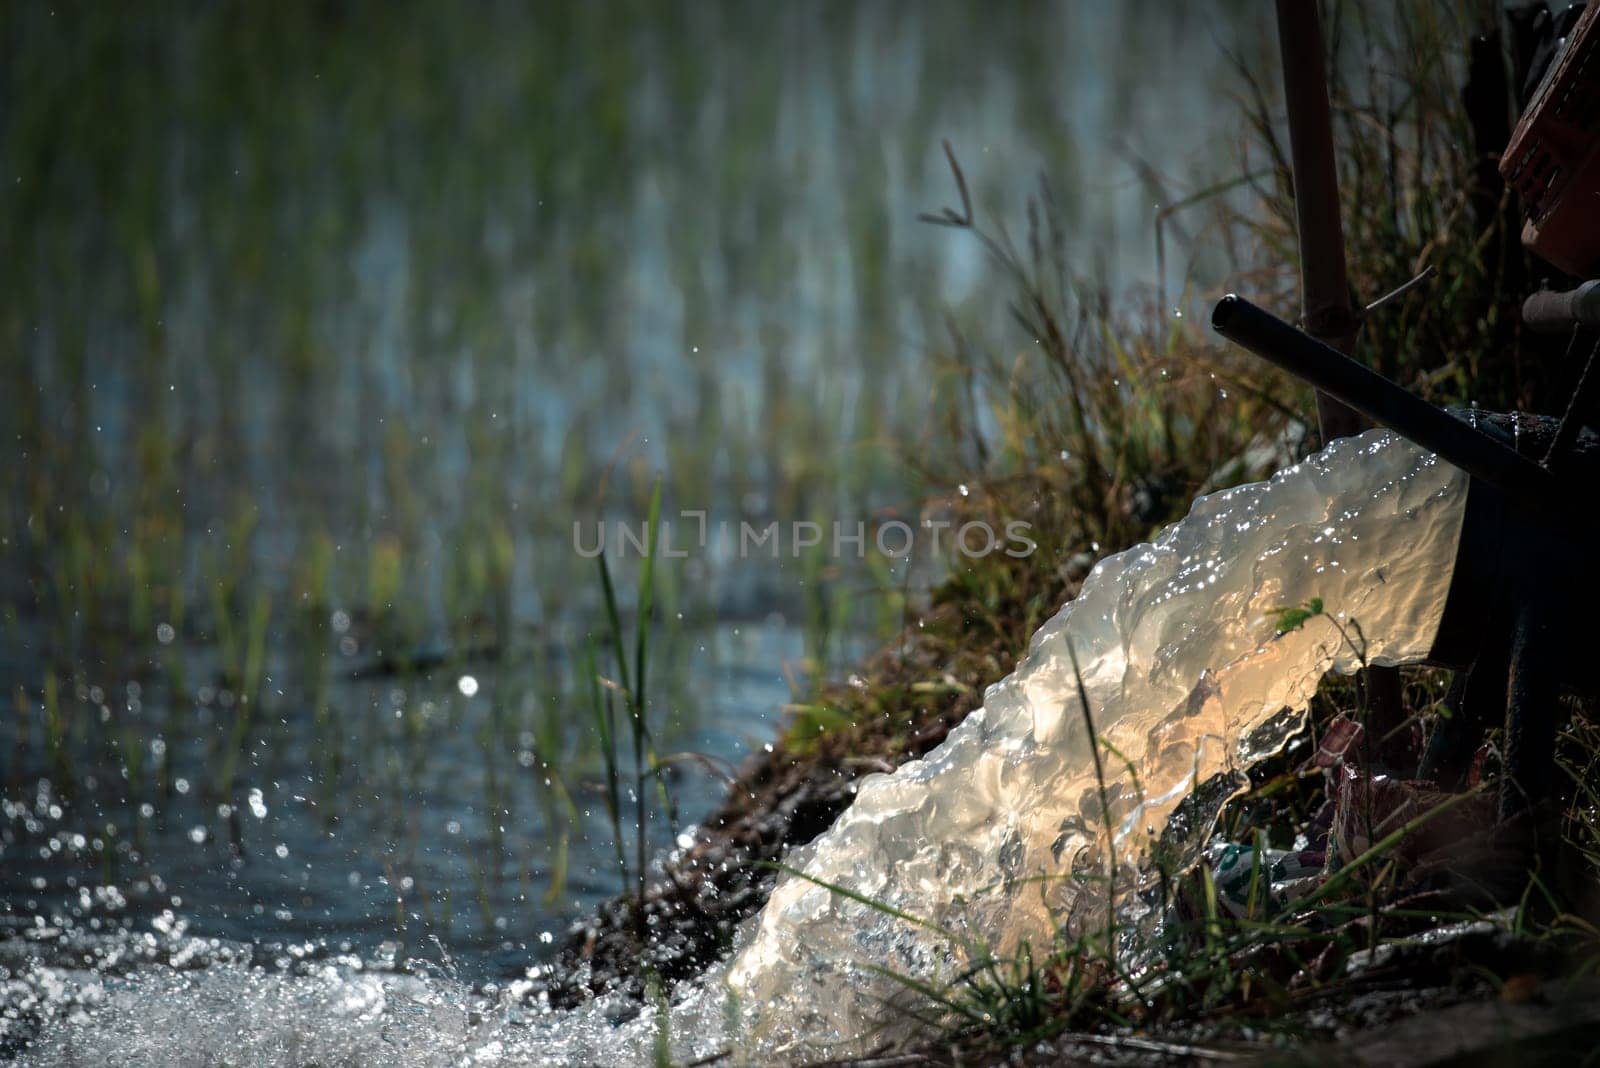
(997, 836)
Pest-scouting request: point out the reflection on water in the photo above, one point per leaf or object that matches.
(412, 279)
(989, 843)
(468, 822)
(320, 328)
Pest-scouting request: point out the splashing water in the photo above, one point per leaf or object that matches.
(1186, 680)
(1187, 683)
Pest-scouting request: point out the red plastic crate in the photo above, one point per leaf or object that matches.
(1553, 160)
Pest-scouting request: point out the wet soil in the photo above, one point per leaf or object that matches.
(779, 799)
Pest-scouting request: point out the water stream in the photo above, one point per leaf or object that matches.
(999, 835)
(996, 835)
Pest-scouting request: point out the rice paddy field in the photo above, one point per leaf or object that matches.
(322, 325)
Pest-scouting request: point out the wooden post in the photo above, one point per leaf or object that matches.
(1324, 286)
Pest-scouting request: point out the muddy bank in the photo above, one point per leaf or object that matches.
(779, 799)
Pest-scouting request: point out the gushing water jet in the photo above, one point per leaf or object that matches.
(999, 837)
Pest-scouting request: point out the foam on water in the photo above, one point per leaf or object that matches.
(1186, 681)
(343, 1011)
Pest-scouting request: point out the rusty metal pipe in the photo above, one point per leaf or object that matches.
(1324, 286)
(1330, 314)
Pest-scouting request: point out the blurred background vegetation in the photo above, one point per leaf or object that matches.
(323, 323)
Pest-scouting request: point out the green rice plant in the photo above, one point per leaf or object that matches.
(247, 693)
(890, 596)
(828, 605)
(24, 720)
(173, 666)
(480, 886)
(637, 692)
(496, 798)
(391, 631)
(661, 1040)
(131, 747)
(311, 623)
(558, 866)
(547, 720)
(140, 583)
(602, 709)
(632, 691)
(55, 735)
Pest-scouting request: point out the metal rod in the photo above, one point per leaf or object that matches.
(1329, 312)
(1547, 312)
(1324, 286)
(1533, 693)
(1578, 410)
(1383, 401)
(1399, 291)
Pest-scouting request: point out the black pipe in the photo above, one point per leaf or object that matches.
(1384, 402)
(1324, 285)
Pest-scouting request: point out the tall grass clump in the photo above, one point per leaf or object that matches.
(1112, 414)
(629, 689)
(1094, 424)
(1422, 103)
(1099, 416)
